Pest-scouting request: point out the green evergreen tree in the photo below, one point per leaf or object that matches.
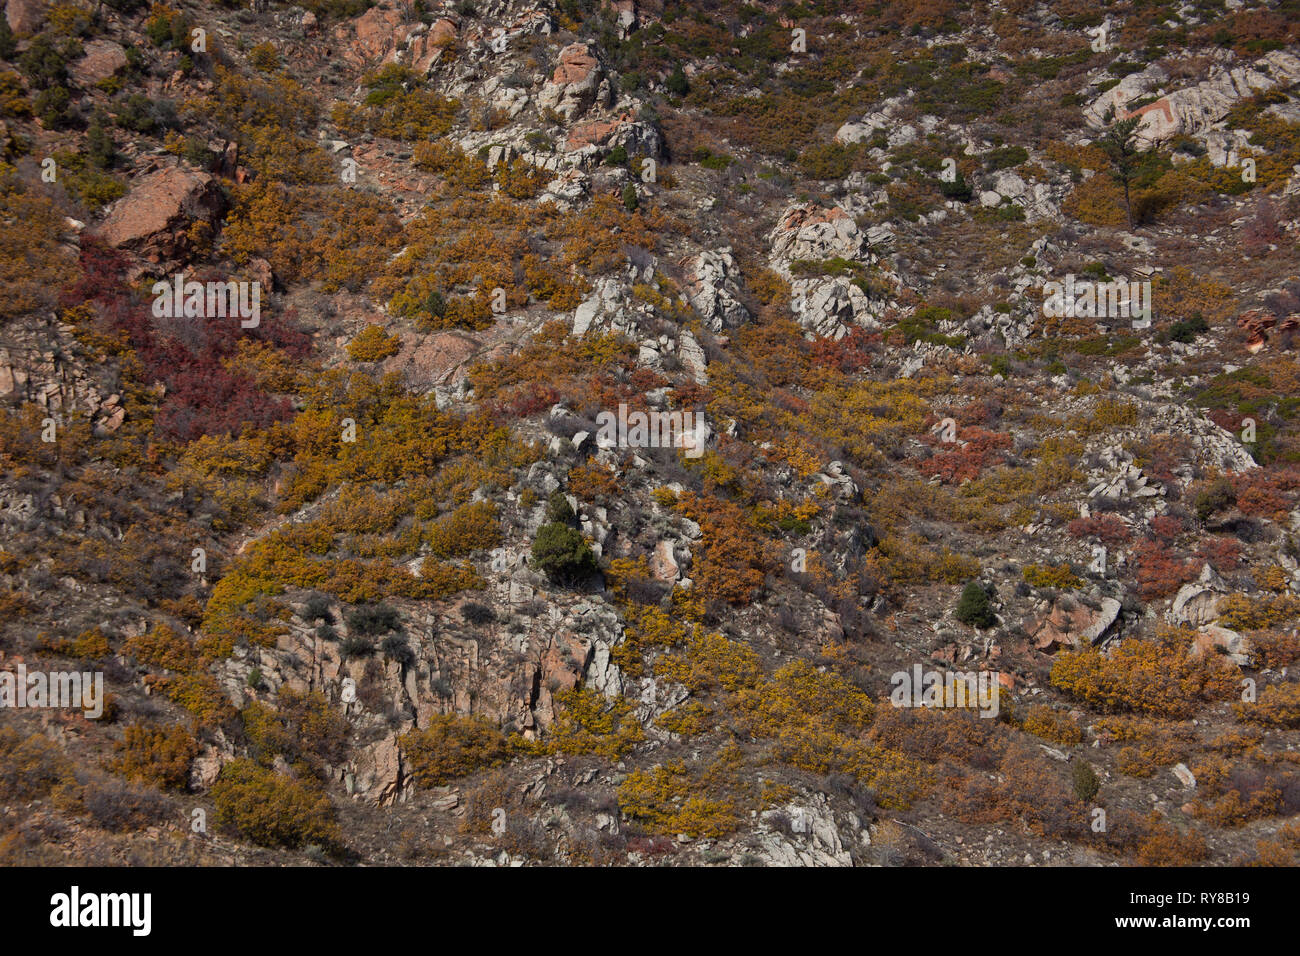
(99, 145)
(677, 83)
(974, 607)
(7, 42)
(1121, 148)
(1086, 783)
(562, 554)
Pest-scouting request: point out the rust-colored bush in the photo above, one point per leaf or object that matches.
(1156, 676)
(158, 756)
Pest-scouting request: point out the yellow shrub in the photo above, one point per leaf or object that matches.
(373, 344)
(711, 662)
(162, 647)
(158, 756)
(201, 695)
(688, 719)
(471, 527)
(452, 746)
(1241, 612)
(669, 801)
(519, 179)
(1184, 292)
(1156, 677)
(799, 693)
(1271, 577)
(588, 723)
(273, 810)
(1277, 706)
(1051, 576)
(31, 766)
(91, 645)
(1043, 721)
(1098, 201)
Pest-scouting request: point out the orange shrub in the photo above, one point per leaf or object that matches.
(471, 527)
(159, 756)
(373, 344)
(734, 559)
(1156, 677)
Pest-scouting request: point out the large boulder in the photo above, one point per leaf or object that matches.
(663, 563)
(808, 231)
(638, 139)
(154, 217)
(886, 119)
(577, 84)
(1070, 623)
(712, 291)
(1197, 603)
(437, 359)
(102, 59)
(1197, 108)
(26, 16)
(830, 307)
(801, 834)
(1213, 639)
(1038, 200)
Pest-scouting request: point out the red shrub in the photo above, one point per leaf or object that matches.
(982, 448)
(1110, 530)
(652, 846)
(1266, 493)
(1166, 528)
(849, 354)
(1222, 553)
(1226, 419)
(525, 400)
(188, 355)
(1159, 571)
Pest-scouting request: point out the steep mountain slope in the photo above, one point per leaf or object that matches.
(565, 432)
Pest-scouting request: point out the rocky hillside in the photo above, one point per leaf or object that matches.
(514, 431)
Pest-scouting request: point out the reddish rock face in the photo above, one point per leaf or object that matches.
(426, 49)
(438, 357)
(1160, 106)
(1060, 627)
(25, 16)
(1213, 639)
(809, 216)
(576, 84)
(442, 33)
(663, 563)
(1257, 323)
(153, 218)
(576, 65)
(376, 28)
(103, 58)
(595, 132)
(373, 35)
